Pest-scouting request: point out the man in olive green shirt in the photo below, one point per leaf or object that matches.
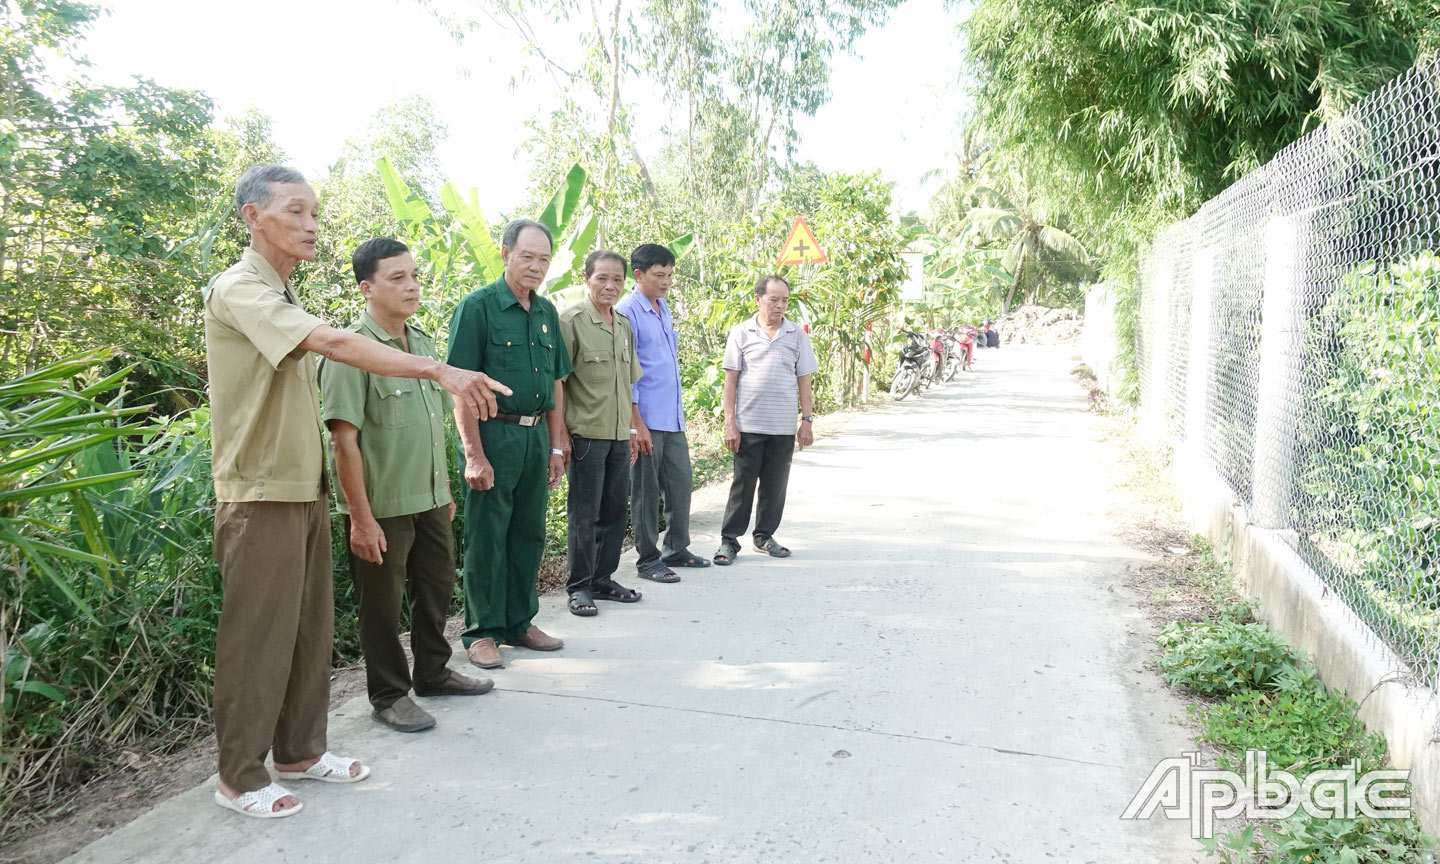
(388, 440)
(272, 519)
(510, 332)
(603, 423)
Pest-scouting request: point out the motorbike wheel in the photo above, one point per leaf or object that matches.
(905, 380)
(952, 368)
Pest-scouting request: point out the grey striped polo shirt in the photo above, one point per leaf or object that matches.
(767, 391)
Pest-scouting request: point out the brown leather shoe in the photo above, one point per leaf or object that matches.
(405, 716)
(456, 684)
(484, 653)
(537, 640)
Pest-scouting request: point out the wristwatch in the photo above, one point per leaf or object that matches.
(808, 418)
(554, 452)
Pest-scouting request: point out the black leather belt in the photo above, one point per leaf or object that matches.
(520, 419)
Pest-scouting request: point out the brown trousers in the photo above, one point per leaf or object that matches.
(272, 651)
(420, 555)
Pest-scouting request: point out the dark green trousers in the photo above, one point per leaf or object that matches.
(420, 561)
(505, 533)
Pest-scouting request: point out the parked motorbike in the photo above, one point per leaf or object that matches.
(944, 359)
(916, 360)
(966, 338)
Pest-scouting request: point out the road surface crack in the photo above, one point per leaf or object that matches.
(877, 732)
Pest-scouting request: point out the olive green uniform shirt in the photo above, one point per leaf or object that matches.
(266, 437)
(491, 332)
(401, 423)
(597, 392)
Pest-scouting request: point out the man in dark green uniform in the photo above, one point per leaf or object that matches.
(514, 458)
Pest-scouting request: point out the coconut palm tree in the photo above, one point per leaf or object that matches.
(967, 172)
(1038, 252)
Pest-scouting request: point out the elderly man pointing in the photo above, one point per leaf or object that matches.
(272, 516)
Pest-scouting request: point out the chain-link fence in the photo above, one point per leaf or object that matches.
(1289, 334)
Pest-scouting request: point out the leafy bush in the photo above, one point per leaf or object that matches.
(110, 595)
(1302, 723)
(1216, 658)
(1303, 839)
(1369, 455)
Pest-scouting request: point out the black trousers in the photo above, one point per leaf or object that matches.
(420, 561)
(762, 459)
(598, 505)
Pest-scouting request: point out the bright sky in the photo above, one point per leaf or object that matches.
(320, 69)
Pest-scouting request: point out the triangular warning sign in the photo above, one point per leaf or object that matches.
(801, 246)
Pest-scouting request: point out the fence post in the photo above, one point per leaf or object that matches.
(1277, 391)
(1156, 320)
(1197, 391)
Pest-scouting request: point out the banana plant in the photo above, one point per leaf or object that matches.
(565, 293)
(469, 246)
(46, 421)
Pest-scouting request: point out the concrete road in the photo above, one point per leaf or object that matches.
(946, 670)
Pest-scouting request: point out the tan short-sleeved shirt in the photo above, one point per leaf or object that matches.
(597, 392)
(265, 432)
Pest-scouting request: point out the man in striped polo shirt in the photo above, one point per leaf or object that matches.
(768, 363)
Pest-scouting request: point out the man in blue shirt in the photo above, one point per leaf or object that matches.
(662, 468)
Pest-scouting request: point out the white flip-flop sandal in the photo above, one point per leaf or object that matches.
(329, 768)
(259, 804)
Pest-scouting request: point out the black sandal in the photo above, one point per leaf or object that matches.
(769, 546)
(667, 576)
(612, 590)
(725, 555)
(687, 560)
(582, 604)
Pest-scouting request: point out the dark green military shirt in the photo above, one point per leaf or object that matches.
(491, 332)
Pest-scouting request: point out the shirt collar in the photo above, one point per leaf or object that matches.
(263, 267)
(786, 325)
(369, 325)
(595, 317)
(643, 302)
(507, 297)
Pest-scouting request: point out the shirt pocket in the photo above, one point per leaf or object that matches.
(546, 342)
(509, 352)
(755, 353)
(597, 366)
(397, 401)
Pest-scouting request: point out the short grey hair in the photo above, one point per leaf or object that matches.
(763, 283)
(254, 186)
(511, 236)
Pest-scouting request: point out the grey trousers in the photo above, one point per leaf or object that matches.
(662, 474)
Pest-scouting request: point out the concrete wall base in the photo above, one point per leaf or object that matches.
(1346, 653)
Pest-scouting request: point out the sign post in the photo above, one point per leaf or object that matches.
(865, 373)
(801, 247)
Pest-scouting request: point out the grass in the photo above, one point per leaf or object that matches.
(1249, 691)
